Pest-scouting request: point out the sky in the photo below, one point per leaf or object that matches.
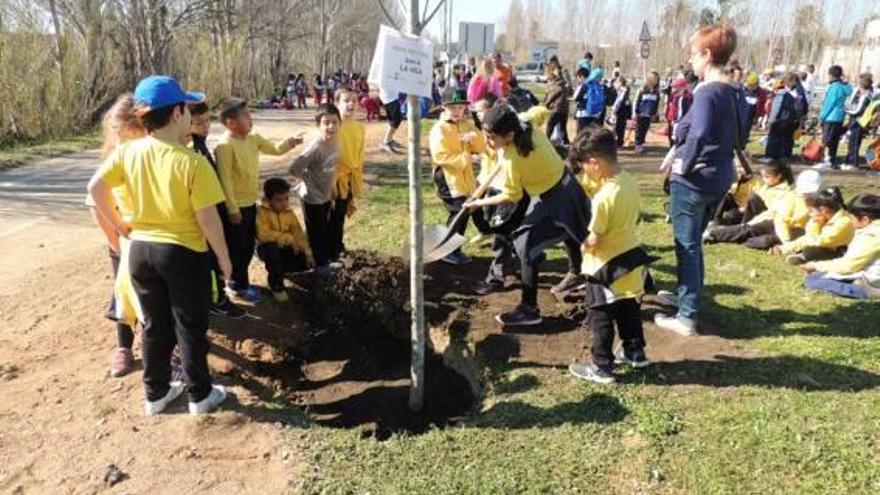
(493, 11)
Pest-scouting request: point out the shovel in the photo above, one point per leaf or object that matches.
(441, 240)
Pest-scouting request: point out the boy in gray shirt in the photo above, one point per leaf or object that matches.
(316, 167)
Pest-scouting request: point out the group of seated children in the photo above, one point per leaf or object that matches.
(809, 225)
(182, 221)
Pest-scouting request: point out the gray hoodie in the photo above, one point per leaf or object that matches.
(316, 166)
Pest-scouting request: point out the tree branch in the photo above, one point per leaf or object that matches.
(428, 19)
(388, 15)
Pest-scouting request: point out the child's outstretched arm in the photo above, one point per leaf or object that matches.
(268, 148)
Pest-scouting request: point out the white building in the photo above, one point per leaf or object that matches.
(858, 58)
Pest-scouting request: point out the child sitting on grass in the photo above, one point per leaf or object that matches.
(238, 161)
(768, 217)
(284, 247)
(614, 261)
(317, 169)
(828, 232)
(857, 273)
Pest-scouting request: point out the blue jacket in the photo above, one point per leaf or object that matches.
(704, 139)
(647, 104)
(835, 100)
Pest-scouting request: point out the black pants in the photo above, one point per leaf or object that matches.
(280, 261)
(240, 240)
(620, 129)
(561, 120)
(758, 236)
(336, 228)
(642, 126)
(600, 321)
(831, 134)
(815, 253)
(754, 207)
(583, 122)
(218, 292)
(124, 333)
(856, 133)
(454, 205)
(780, 140)
(728, 212)
(173, 285)
(530, 272)
(317, 227)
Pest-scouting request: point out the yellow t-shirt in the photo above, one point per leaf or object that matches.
(167, 184)
(453, 156)
(836, 233)
(350, 166)
(238, 164)
(536, 173)
(616, 206)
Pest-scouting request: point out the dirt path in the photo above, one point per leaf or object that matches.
(64, 420)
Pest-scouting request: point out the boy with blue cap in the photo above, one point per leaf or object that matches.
(173, 219)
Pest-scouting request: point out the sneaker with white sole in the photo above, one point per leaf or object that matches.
(846, 167)
(175, 389)
(209, 403)
(635, 358)
(795, 259)
(678, 324)
(667, 298)
(822, 166)
(591, 373)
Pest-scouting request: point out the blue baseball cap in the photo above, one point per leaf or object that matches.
(162, 91)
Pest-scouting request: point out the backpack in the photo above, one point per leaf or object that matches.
(870, 119)
(595, 98)
(522, 99)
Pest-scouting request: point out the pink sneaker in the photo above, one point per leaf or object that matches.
(122, 362)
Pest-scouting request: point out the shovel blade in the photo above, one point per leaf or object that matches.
(433, 246)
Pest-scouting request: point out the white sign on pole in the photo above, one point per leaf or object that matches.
(645, 35)
(402, 63)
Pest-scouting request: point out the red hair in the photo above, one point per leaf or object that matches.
(719, 39)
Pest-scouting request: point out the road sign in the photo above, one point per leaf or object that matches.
(644, 49)
(645, 35)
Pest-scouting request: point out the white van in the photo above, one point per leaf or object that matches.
(532, 72)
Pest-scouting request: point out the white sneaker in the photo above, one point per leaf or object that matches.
(846, 167)
(667, 298)
(155, 407)
(678, 324)
(822, 166)
(209, 403)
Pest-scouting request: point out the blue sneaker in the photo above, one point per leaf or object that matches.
(251, 294)
(456, 258)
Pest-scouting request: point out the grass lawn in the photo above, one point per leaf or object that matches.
(796, 413)
(21, 153)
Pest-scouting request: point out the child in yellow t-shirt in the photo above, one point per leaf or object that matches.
(349, 171)
(172, 221)
(614, 261)
(238, 162)
(828, 232)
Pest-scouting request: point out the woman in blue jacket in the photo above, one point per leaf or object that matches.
(832, 115)
(703, 169)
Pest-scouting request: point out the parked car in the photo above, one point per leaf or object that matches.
(533, 72)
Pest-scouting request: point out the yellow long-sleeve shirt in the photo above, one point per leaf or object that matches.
(282, 228)
(741, 191)
(837, 232)
(537, 115)
(350, 165)
(772, 197)
(453, 156)
(238, 164)
(862, 252)
(789, 214)
(535, 173)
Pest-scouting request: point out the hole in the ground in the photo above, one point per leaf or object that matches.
(340, 349)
